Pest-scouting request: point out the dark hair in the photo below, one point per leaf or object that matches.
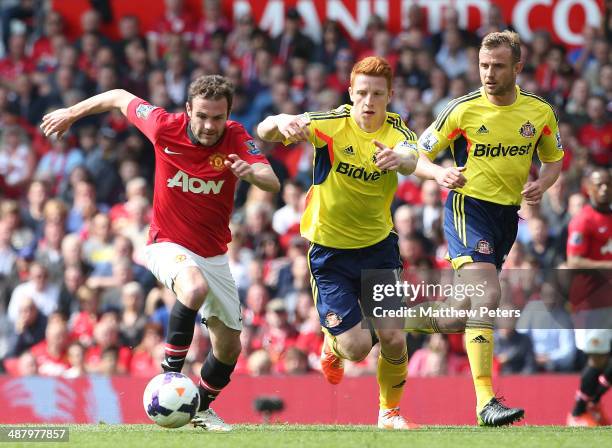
(212, 87)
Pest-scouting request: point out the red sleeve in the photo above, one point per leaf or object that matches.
(577, 237)
(246, 148)
(149, 119)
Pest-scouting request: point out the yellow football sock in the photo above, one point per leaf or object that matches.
(391, 377)
(479, 347)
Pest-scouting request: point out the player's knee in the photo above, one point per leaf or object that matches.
(489, 298)
(193, 293)
(356, 350)
(392, 339)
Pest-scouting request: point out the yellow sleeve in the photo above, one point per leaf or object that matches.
(550, 148)
(440, 133)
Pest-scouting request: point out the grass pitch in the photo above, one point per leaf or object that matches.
(320, 436)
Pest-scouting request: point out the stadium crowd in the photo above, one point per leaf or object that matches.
(75, 297)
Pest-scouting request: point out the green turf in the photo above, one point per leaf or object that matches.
(323, 436)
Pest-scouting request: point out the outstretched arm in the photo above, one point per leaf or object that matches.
(60, 120)
(278, 128)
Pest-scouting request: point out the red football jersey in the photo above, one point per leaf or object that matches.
(194, 191)
(590, 236)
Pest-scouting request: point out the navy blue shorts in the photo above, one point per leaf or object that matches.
(478, 231)
(336, 279)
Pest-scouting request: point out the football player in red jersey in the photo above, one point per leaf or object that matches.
(200, 155)
(589, 246)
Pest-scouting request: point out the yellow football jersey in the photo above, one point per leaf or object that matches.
(495, 143)
(349, 203)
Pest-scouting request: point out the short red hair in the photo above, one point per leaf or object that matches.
(373, 66)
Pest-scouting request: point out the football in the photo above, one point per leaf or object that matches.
(171, 400)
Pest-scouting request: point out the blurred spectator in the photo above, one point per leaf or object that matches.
(50, 353)
(38, 288)
(452, 56)
(257, 298)
(176, 21)
(450, 23)
(133, 321)
(27, 365)
(8, 255)
(158, 304)
(29, 328)
(16, 62)
(295, 362)
(554, 206)
(292, 41)
(493, 21)
(143, 363)
(550, 328)
(431, 359)
(98, 248)
(514, 352)
(106, 356)
(332, 41)
(84, 207)
(212, 21)
(49, 250)
(32, 214)
(277, 333)
(109, 362)
(22, 238)
(105, 273)
(16, 160)
(596, 135)
(101, 163)
(259, 363)
(289, 215)
(76, 360)
(84, 319)
(542, 246)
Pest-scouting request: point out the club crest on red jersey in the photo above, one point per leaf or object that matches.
(216, 161)
(527, 130)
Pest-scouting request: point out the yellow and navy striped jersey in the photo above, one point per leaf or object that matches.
(349, 203)
(495, 143)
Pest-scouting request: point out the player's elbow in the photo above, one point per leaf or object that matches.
(275, 185)
(122, 99)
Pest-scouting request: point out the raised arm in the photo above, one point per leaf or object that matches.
(60, 120)
(284, 127)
